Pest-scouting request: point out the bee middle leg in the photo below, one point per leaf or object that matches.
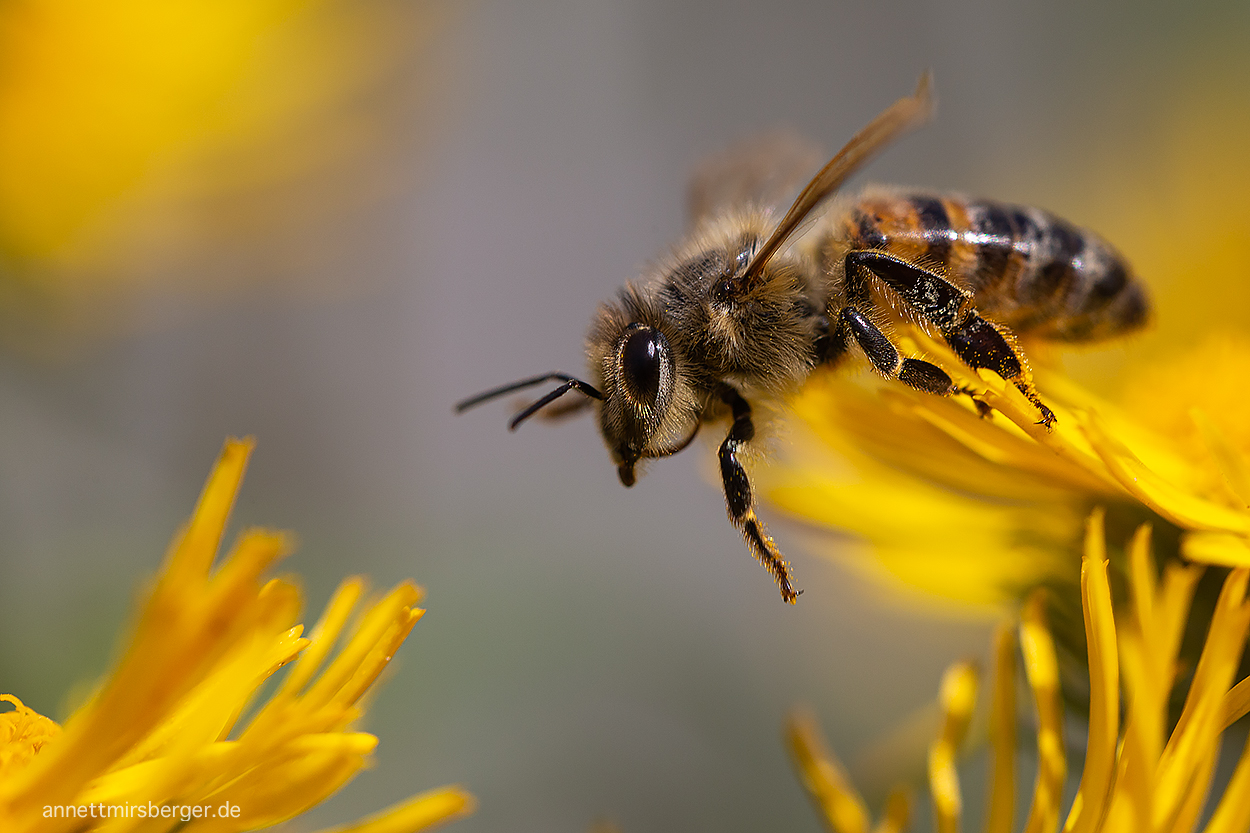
(739, 499)
(921, 375)
(980, 343)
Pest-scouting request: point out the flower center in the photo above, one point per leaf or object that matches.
(23, 732)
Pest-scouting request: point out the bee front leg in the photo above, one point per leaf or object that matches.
(738, 495)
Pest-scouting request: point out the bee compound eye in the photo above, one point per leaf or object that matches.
(645, 361)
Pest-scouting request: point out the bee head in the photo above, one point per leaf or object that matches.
(639, 379)
(637, 369)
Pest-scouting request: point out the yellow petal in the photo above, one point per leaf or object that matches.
(1178, 505)
(193, 554)
(379, 656)
(1143, 738)
(1104, 683)
(957, 697)
(393, 608)
(1232, 814)
(1148, 681)
(1042, 668)
(1062, 453)
(1061, 438)
(311, 769)
(1171, 608)
(1236, 704)
(897, 813)
(420, 812)
(1189, 758)
(839, 805)
(286, 714)
(156, 731)
(1001, 814)
(1230, 462)
(1218, 548)
(947, 544)
(324, 634)
(1142, 572)
(208, 712)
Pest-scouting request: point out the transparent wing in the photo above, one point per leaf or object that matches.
(765, 170)
(902, 116)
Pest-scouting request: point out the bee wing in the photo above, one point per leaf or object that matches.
(902, 116)
(765, 170)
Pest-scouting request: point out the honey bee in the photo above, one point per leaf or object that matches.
(747, 307)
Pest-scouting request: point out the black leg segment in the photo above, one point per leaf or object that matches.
(875, 344)
(980, 343)
(927, 377)
(931, 296)
(921, 375)
(738, 497)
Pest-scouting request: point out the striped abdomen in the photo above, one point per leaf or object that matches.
(1026, 268)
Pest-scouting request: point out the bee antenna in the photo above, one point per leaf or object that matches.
(570, 383)
(901, 117)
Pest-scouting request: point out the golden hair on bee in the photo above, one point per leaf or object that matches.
(747, 305)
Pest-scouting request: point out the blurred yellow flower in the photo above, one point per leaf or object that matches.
(135, 131)
(161, 743)
(1137, 776)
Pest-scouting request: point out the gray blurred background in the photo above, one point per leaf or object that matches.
(590, 651)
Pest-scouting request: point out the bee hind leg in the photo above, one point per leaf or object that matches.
(981, 343)
(977, 341)
(739, 499)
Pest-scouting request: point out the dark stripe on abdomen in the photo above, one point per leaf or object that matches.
(935, 226)
(993, 234)
(1025, 267)
(1054, 269)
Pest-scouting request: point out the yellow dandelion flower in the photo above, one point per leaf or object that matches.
(1137, 775)
(968, 513)
(161, 742)
(978, 510)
